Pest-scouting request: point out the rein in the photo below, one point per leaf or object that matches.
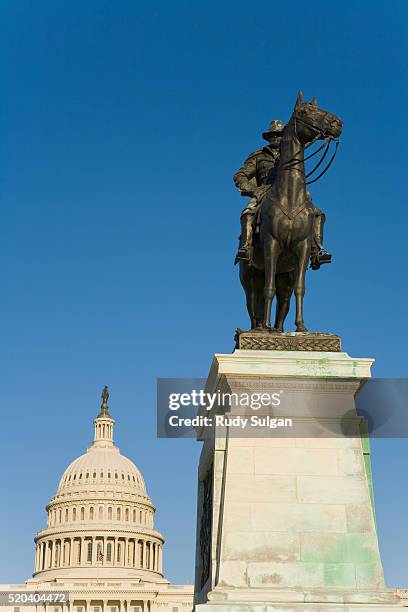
(326, 144)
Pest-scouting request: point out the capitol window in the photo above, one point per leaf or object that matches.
(110, 513)
(91, 513)
(74, 514)
(118, 514)
(89, 555)
(82, 514)
(100, 513)
(80, 609)
(66, 515)
(112, 609)
(109, 552)
(97, 609)
(119, 551)
(136, 609)
(127, 514)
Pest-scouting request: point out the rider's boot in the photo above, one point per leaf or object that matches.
(245, 239)
(318, 255)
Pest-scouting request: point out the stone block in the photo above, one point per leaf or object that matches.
(238, 517)
(334, 490)
(339, 548)
(274, 574)
(322, 461)
(341, 575)
(261, 546)
(359, 518)
(369, 575)
(298, 518)
(233, 573)
(261, 488)
(350, 462)
(240, 460)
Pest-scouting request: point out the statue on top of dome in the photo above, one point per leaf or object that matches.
(105, 396)
(104, 406)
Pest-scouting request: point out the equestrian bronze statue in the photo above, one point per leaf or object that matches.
(281, 228)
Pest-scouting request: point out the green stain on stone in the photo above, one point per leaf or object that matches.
(343, 548)
(367, 574)
(339, 575)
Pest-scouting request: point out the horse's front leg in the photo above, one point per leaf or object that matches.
(284, 288)
(302, 251)
(271, 253)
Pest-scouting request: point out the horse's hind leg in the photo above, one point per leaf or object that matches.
(258, 285)
(246, 276)
(284, 288)
(271, 254)
(302, 250)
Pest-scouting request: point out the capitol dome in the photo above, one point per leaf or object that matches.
(101, 519)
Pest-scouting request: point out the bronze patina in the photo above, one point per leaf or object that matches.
(281, 228)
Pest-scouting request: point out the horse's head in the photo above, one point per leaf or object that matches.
(314, 123)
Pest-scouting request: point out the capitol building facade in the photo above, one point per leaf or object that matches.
(100, 545)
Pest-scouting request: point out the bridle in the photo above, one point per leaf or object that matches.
(320, 135)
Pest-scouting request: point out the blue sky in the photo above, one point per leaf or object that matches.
(121, 126)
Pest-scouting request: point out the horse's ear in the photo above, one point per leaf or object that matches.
(299, 99)
(313, 101)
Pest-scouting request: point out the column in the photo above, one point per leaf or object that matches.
(71, 560)
(93, 540)
(83, 551)
(52, 552)
(42, 566)
(126, 552)
(144, 553)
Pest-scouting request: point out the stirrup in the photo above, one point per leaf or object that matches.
(322, 257)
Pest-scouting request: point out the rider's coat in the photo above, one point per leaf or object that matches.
(256, 176)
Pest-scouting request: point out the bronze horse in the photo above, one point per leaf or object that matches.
(282, 250)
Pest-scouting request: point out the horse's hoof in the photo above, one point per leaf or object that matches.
(301, 328)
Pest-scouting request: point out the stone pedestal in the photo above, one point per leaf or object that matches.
(285, 518)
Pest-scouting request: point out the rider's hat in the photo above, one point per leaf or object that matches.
(275, 127)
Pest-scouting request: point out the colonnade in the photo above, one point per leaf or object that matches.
(104, 604)
(113, 551)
